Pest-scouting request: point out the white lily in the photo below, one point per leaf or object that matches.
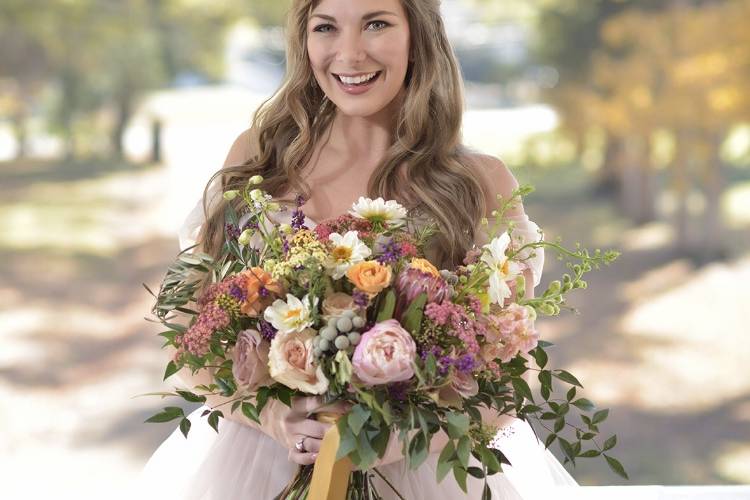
(347, 251)
(502, 269)
(390, 212)
(294, 315)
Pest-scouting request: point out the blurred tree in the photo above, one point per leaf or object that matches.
(642, 69)
(103, 55)
(24, 69)
(268, 13)
(684, 69)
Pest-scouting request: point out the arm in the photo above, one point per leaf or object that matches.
(283, 424)
(497, 179)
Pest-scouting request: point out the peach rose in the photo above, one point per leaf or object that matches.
(257, 278)
(370, 276)
(425, 266)
(339, 302)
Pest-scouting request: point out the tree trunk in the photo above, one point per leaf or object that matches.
(713, 236)
(681, 188)
(608, 177)
(636, 196)
(20, 131)
(124, 104)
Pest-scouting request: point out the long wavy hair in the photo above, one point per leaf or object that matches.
(426, 150)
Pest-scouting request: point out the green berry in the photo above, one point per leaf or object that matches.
(349, 313)
(342, 343)
(358, 322)
(354, 337)
(332, 321)
(344, 324)
(329, 333)
(324, 345)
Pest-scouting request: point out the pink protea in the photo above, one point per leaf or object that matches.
(410, 282)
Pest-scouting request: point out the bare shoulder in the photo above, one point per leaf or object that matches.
(244, 147)
(495, 178)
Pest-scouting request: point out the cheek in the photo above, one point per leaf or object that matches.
(394, 51)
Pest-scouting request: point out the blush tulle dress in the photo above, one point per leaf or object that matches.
(242, 463)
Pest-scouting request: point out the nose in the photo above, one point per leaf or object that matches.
(350, 49)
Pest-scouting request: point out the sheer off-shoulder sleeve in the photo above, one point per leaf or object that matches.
(188, 232)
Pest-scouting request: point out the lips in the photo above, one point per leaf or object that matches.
(357, 79)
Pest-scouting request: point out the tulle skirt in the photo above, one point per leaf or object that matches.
(241, 463)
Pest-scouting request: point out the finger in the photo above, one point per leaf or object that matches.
(306, 404)
(311, 445)
(339, 407)
(302, 458)
(308, 427)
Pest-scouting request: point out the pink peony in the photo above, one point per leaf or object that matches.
(384, 354)
(250, 360)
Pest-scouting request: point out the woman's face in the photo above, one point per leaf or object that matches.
(359, 52)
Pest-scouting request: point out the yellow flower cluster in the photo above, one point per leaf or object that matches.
(304, 250)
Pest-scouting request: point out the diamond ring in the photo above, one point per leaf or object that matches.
(300, 446)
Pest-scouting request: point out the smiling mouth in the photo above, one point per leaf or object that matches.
(358, 80)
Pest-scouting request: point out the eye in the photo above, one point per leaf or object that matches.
(377, 25)
(324, 28)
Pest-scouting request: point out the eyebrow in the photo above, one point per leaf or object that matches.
(367, 16)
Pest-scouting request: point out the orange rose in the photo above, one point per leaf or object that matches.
(257, 278)
(370, 276)
(425, 266)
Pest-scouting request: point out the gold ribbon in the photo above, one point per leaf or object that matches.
(330, 478)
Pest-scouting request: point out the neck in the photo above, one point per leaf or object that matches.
(368, 137)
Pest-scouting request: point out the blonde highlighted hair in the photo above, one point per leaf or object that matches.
(426, 168)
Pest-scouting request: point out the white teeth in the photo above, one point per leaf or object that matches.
(354, 80)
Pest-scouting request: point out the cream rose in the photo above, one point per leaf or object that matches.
(291, 362)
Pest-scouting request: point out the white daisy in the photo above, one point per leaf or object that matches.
(347, 251)
(390, 212)
(502, 269)
(294, 315)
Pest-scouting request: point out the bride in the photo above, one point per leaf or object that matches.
(371, 105)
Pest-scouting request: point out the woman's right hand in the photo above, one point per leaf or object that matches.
(290, 426)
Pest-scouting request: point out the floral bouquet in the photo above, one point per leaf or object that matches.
(352, 311)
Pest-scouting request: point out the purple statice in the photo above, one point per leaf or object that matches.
(263, 292)
(251, 224)
(267, 331)
(285, 246)
(233, 232)
(300, 200)
(237, 292)
(398, 390)
(360, 298)
(298, 219)
(466, 363)
(390, 253)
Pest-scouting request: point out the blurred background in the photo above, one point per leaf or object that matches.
(631, 117)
